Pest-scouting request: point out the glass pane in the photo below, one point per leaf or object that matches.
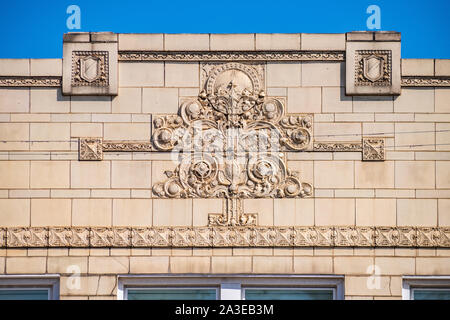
(287, 294)
(171, 294)
(424, 294)
(23, 294)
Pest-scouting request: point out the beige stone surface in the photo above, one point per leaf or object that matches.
(86, 129)
(131, 174)
(90, 104)
(149, 265)
(376, 212)
(374, 174)
(172, 212)
(46, 67)
(264, 209)
(132, 212)
(415, 100)
(442, 174)
(326, 74)
(126, 131)
(304, 100)
(15, 212)
(335, 100)
(415, 174)
(313, 265)
(51, 212)
(105, 265)
(90, 174)
(417, 212)
(444, 212)
(414, 136)
(11, 132)
(263, 264)
(66, 264)
(201, 208)
(434, 266)
(367, 285)
(92, 212)
(136, 41)
(160, 100)
(287, 74)
(231, 264)
(333, 174)
(337, 131)
(329, 212)
(14, 67)
(232, 41)
(15, 174)
(277, 41)
(28, 265)
(417, 67)
(442, 67)
(127, 101)
(50, 174)
(50, 136)
(323, 41)
(182, 74)
(442, 100)
(396, 266)
(48, 100)
(14, 100)
(373, 104)
(190, 264)
(182, 42)
(141, 74)
(293, 212)
(352, 265)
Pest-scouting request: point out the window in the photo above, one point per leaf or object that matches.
(426, 288)
(29, 287)
(230, 287)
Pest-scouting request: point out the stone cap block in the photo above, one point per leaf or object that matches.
(141, 41)
(14, 67)
(417, 67)
(373, 36)
(323, 41)
(90, 37)
(76, 37)
(442, 67)
(46, 67)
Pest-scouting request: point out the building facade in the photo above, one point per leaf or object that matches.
(225, 166)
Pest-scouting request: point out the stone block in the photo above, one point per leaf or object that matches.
(131, 174)
(202, 208)
(414, 136)
(91, 212)
(183, 42)
(226, 264)
(352, 265)
(334, 212)
(13, 100)
(264, 264)
(304, 100)
(137, 42)
(90, 68)
(26, 265)
(50, 136)
(149, 265)
(442, 174)
(15, 174)
(67, 265)
(14, 212)
(373, 68)
(415, 100)
(293, 212)
(313, 265)
(333, 174)
(46, 67)
(322, 74)
(90, 104)
(127, 101)
(441, 100)
(415, 174)
(105, 265)
(132, 212)
(374, 174)
(141, 74)
(417, 212)
(277, 41)
(190, 264)
(417, 67)
(126, 131)
(160, 100)
(286, 74)
(15, 134)
(442, 67)
(86, 174)
(14, 67)
(373, 104)
(86, 130)
(337, 131)
(324, 41)
(51, 212)
(432, 267)
(232, 41)
(376, 212)
(49, 100)
(182, 74)
(335, 100)
(264, 209)
(444, 212)
(50, 174)
(172, 212)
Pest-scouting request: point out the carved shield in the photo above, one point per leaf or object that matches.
(373, 68)
(90, 68)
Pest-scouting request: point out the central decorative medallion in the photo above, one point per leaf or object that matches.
(230, 143)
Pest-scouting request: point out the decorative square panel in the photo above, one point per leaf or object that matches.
(90, 68)
(373, 67)
(90, 149)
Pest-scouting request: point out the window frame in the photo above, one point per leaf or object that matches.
(30, 282)
(288, 288)
(411, 283)
(231, 286)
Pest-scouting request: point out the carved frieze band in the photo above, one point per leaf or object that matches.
(231, 56)
(91, 149)
(416, 81)
(335, 236)
(372, 148)
(35, 81)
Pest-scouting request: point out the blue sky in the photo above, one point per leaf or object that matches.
(34, 29)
